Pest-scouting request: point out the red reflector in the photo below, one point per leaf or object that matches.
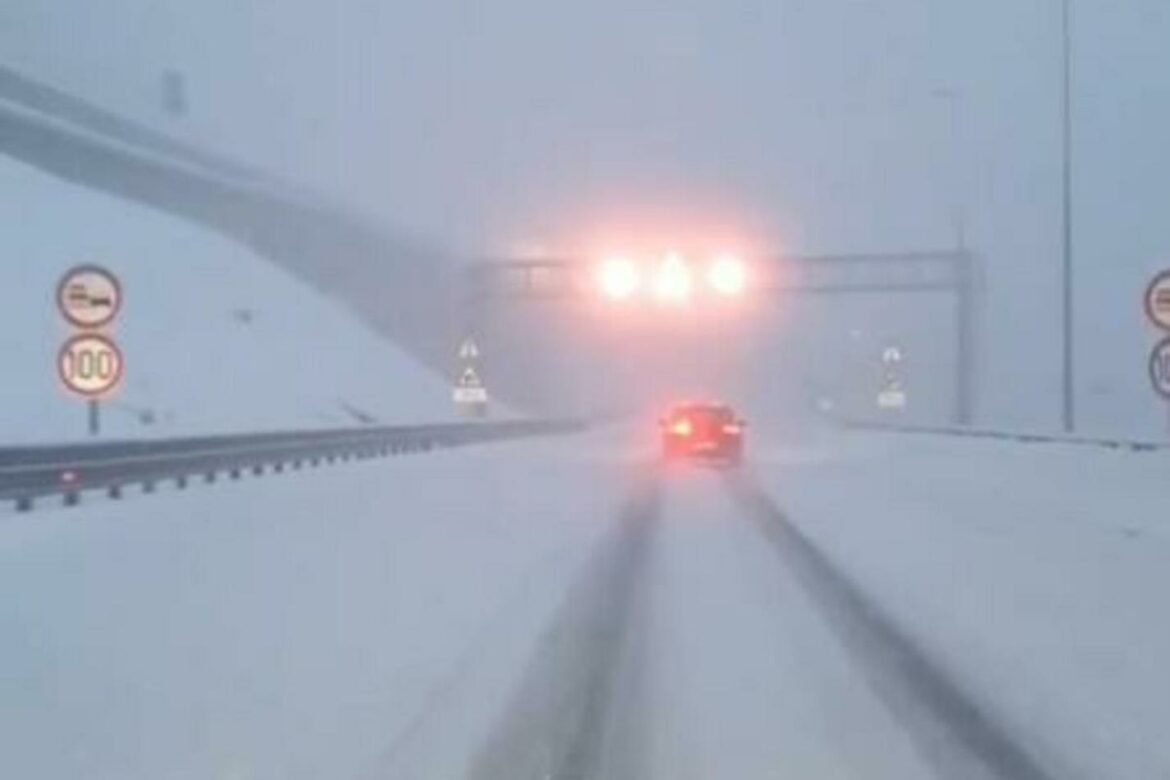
(732, 428)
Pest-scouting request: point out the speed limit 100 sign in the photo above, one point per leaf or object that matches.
(90, 365)
(1160, 368)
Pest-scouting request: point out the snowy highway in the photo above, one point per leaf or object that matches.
(575, 610)
(360, 359)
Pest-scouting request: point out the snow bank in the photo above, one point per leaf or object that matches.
(216, 339)
(1037, 573)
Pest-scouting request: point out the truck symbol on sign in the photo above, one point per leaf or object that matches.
(1157, 301)
(89, 297)
(80, 298)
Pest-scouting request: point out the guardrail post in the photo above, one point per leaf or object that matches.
(964, 338)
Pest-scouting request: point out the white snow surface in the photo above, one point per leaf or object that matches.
(750, 682)
(293, 627)
(374, 620)
(1037, 573)
(216, 338)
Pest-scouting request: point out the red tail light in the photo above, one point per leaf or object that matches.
(682, 427)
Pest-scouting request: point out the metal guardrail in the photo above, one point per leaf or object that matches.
(31, 473)
(1024, 437)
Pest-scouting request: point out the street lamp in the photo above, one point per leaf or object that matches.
(953, 98)
(1068, 376)
(964, 311)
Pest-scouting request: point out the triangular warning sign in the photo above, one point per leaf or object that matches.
(468, 350)
(469, 378)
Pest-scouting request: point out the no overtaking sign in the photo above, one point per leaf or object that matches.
(1158, 301)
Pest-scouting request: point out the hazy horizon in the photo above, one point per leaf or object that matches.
(809, 126)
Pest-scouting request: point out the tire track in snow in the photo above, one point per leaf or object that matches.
(556, 726)
(960, 739)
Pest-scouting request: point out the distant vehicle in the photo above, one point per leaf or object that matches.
(702, 431)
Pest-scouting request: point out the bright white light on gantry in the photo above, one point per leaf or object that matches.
(672, 280)
(727, 276)
(620, 278)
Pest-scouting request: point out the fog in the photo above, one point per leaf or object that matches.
(800, 125)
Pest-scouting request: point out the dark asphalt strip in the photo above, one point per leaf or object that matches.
(555, 726)
(960, 739)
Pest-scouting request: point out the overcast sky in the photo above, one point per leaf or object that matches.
(809, 124)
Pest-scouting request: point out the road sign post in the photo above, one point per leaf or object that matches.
(892, 396)
(470, 395)
(1157, 305)
(89, 363)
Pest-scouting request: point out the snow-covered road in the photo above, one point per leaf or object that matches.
(752, 682)
(565, 608)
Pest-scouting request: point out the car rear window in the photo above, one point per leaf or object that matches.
(717, 413)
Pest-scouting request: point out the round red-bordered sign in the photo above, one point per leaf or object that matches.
(89, 296)
(90, 365)
(1157, 300)
(1160, 367)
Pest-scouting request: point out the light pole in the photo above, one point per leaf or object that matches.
(953, 99)
(1068, 376)
(965, 357)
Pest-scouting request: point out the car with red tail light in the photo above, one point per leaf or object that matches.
(703, 432)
